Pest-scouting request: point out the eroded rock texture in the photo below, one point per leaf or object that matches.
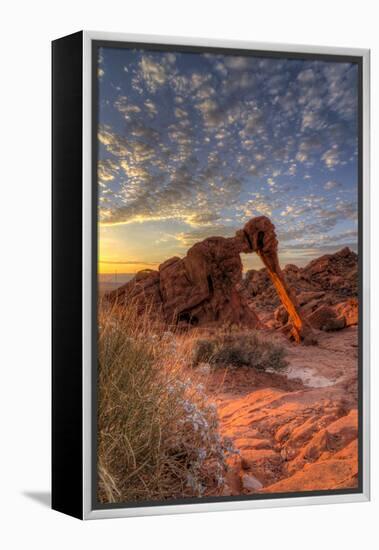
(202, 288)
(327, 291)
(205, 287)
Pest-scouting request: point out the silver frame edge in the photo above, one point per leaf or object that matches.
(88, 512)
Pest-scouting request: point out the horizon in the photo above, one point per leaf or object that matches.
(122, 277)
(194, 145)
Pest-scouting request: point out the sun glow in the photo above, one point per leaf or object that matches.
(122, 266)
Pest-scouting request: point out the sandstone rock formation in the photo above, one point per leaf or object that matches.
(327, 290)
(297, 440)
(295, 429)
(206, 286)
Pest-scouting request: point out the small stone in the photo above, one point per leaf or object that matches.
(251, 483)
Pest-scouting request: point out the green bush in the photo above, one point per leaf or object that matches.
(203, 351)
(239, 350)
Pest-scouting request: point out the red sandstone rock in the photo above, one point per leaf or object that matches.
(326, 291)
(142, 291)
(205, 287)
(322, 316)
(334, 274)
(326, 318)
(201, 288)
(281, 315)
(292, 440)
(348, 310)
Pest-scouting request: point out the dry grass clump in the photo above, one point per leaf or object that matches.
(157, 433)
(238, 350)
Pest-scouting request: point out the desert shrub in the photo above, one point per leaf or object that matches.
(158, 434)
(247, 349)
(276, 357)
(203, 351)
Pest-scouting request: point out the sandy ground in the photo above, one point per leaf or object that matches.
(297, 430)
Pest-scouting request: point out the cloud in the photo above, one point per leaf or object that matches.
(342, 98)
(157, 190)
(190, 238)
(331, 157)
(113, 143)
(308, 149)
(287, 211)
(236, 63)
(331, 242)
(301, 156)
(107, 170)
(123, 105)
(119, 146)
(331, 185)
(212, 140)
(205, 92)
(258, 206)
(153, 73)
(134, 171)
(307, 75)
(308, 223)
(314, 120)
(150, 107)
(213, 115)
(180, 113)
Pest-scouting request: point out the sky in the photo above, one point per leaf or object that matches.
(192, 145)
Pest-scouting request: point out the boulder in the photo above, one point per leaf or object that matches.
(329, 280)
(309, 296)
(338, 316)
(348, 310)
(141, 292)
(250, 483)
(326, 318)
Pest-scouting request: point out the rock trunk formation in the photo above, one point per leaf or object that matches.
(326, 291)
(205, 287)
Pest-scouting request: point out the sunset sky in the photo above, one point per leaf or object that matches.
(194, 145)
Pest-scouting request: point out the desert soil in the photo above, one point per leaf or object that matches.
(297, 430)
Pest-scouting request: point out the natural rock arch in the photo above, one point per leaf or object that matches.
(204, 288)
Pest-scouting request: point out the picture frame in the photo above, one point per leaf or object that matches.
(76, 118)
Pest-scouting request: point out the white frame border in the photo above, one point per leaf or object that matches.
(88, 512)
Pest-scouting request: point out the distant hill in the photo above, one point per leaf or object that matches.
(110, 281)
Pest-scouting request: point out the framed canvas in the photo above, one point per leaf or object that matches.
(210, 275)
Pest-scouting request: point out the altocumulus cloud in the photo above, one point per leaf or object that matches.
(211, 140)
